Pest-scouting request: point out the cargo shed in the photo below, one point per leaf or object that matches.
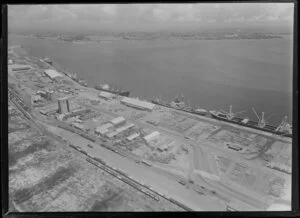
(151, 136)
(101, 130)
(106, 95)
(133, 136)
(123, 128)
(119, 121)
(52, 74)
(136, 103)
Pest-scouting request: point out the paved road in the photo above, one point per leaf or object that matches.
(200, 180)
(196, 152)
(202, 163)
(149, 176)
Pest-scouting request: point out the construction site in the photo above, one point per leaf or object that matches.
(134, 137)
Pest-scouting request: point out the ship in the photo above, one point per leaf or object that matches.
(112, 89)
(179, 104)
(283, 129)
(82, 82)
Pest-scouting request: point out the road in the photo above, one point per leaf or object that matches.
(198, 164)
(202, 163)
(197, 178)
(148, 175)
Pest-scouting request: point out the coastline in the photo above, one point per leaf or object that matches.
(205, 100)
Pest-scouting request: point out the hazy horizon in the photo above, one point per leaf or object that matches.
(89, 18)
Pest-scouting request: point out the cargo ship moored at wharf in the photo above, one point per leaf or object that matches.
(111, 89)
(179, 104)
(283, 129)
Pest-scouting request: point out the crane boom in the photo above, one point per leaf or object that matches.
(256, 114)
(224, 111)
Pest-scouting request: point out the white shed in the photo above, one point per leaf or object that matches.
(118, 121)
(152, 136)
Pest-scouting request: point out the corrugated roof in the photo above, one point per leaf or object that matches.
(125, 127)
(133, 136)
(106, 94)
(112, 134)
(138, 103)
(19, 66)
(52, 73)
(118, 120)
(151, 135)
(103, 127)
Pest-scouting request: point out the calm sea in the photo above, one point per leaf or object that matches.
(211, 74)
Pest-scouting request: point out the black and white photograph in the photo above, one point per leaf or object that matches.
(150, 107)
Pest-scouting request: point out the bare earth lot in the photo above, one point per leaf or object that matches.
(46, 175)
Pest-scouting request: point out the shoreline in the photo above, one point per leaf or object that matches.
(195, 103)
(169, 37)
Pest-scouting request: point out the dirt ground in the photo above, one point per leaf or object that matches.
(47, 175)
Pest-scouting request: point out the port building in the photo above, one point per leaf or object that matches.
(63, 105)
(133, 136)
(52, 74)
(123, 128)
(111, 134)
(19, 67)
(118, 122)
(76, 112)
(151, 136)
(136, 103)
(106, 95)
(103, 129)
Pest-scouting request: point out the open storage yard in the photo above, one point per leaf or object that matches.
(45, 175)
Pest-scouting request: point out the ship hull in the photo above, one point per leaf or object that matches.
(188, 111)
(122, 93)
(251, 124)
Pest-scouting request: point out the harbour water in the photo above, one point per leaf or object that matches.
(211, 74)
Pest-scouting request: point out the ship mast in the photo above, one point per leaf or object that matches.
(261, 121)
(231, 115)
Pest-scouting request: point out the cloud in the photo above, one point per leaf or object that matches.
(144, 14)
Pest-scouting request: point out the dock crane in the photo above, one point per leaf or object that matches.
(262, 122)
(230, 115)
(284, 126)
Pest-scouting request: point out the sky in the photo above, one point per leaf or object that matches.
(144, 17)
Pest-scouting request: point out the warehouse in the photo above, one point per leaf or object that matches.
(112, 134)
(76, 112)
(133, 136)
(151, 136)
(101, 130)
(19, 67)
(136, 103)
(123, 128)
(119, 121)
(52, 74)
(106, 95)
